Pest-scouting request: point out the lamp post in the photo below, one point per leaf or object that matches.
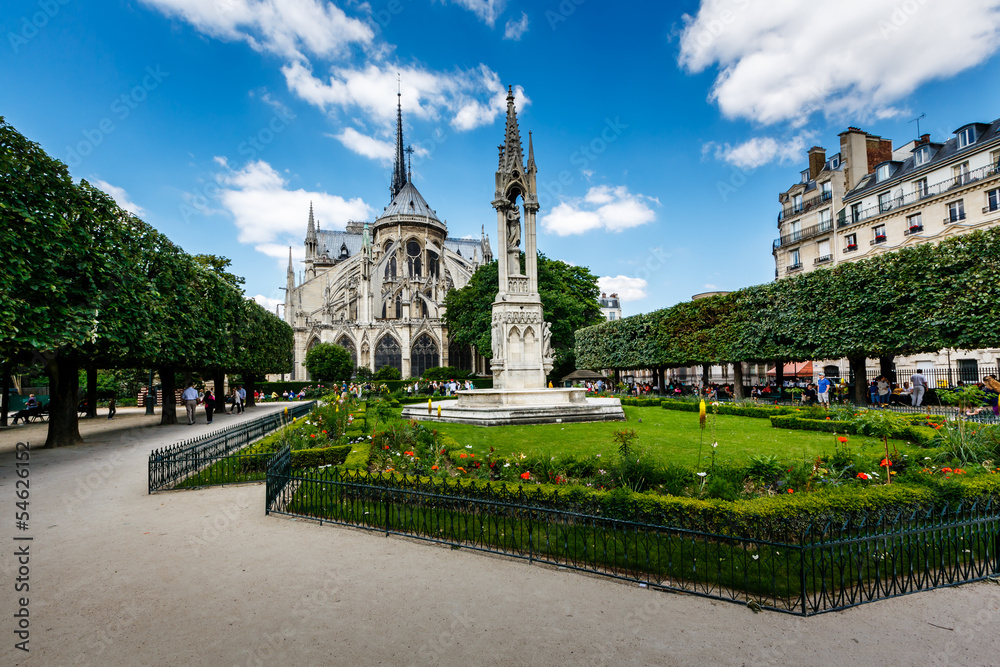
(150, 396)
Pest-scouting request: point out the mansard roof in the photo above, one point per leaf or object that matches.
(409, 202)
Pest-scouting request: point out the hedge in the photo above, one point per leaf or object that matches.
(920, 435)
(423, 399)
(781, 517)
(730, 409)
(642, 402)
(314, 458)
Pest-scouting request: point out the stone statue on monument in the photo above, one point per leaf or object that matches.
(514, 240)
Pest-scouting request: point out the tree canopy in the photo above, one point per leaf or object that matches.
(329, 362)
(87, 283)
(569, 300)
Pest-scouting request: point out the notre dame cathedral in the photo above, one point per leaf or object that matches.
(377, 289)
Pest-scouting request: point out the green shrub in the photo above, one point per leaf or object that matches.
(918, 435)
(327, 456)
(642, 402)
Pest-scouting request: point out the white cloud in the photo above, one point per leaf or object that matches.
(471, 98)
(759, 151)
(369, 147)
(119, 195)
(285, 27)
(515, 29)
(486, 10)
(264, 210)
(268, 303)
(856, 58)
(612, 208)
(710, 286)
(627, 289)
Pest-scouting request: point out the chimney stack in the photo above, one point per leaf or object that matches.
(817, 160)
(924, 139)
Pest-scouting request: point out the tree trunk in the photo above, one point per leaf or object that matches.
(64, 388)
(219, 380)
(92, 391)
(661, 379)
(779, 376)
(168, 398)
(705, 368)
(250, 385)
(887, 367)
(738, 381)
(857, 365)
(5, 399)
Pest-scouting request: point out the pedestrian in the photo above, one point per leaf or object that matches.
(112, 408)
(823, 390)
(190, 398)
(993, 387)
(884, 390)
(243, 396)
(209, 402)
(873, 392)
(919, 384)
(237, 401)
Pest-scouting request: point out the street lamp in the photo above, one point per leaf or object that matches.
(150, 396)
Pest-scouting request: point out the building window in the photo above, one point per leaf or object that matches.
(389, 353)
(795, 233)
(390, 269)
(827, 190)
(824, 251)
(855, 212)
(805, 176)
(882, 173)
(995, 159)
(835, 162)
(793, 259)
(956, 211)
(922, 156)
(824, 219)
(968, 370)
(920, 188)
(348, 345)
(852, 242)
(961, 173)
(424, 355)
(797, 204)
(413, 259)
(993, 200)
(884, 202)
(611, 316)
(914, 223)
(966, 137)
(879, 234)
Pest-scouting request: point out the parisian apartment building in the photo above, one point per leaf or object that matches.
(871, 198)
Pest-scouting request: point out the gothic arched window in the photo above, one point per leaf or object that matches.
(413, 258)
(348, 344)
(390, 269)
(424, 355)
(432, 264)
(399, 307)
(388, 353)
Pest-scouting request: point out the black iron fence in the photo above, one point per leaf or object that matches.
(817, 567)
(210, 460)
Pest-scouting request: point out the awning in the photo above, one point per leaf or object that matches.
(583, 375)
(802, 370)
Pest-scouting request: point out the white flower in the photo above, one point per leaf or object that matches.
(597, 456)
(702, 474)
(506, 465)
(714, 445)
(602, 472)
(468, 446)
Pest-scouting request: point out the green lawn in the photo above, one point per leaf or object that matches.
(669, 434)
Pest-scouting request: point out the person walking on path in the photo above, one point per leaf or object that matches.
(237, 401)
(243, 396)
(209, 402)
(883, 391)
(112, 407)
(190, 398)
(919, 384)
(823, 390)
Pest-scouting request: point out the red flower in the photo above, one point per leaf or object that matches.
(463, 455)
(959, 471)
(862, 475)
(885, 463)
(946, 470)
(442, 451)
(791, 490)
(526, 475)
(409, 454)
(828, 419)
(312, 435)
(472, 455)
(842, 438)
(386, 447)
(324, 431)
(434, 467)
(462, 469)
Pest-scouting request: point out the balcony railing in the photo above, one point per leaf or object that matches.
(954, 218)
(807, 205)
(803, 234)
(851, 248)
(823, 260)
(877, 239)
(914, 229)
(792, 268)
(919, 195)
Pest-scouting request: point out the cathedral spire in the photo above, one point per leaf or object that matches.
(399, 169)
(511, 156)
(311, 231)
(291, 267)
(531, 155)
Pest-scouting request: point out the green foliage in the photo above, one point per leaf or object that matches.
(327, 456)
(967, 444)
(443, 373)
(329, 363)
(388, 373)
(364, 374)
(899, 430)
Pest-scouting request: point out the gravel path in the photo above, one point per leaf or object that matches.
(119, 577)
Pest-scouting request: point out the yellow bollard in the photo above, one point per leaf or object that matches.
(428, 406)
(550, 384)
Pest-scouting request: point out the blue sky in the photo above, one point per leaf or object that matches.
(663, 131)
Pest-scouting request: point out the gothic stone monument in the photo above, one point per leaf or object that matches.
(521, 338)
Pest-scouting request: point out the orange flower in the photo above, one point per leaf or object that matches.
(842, 438)
(885, 463)
(434, 467)
(472, 455)
(791, 490)
(462, 469)
(945, 469)
(526, 475)
(862, 475)
(463, 455)
(959, 471)
(312, 435)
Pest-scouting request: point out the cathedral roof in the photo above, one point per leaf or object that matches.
(409, 202)
(333, 242)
